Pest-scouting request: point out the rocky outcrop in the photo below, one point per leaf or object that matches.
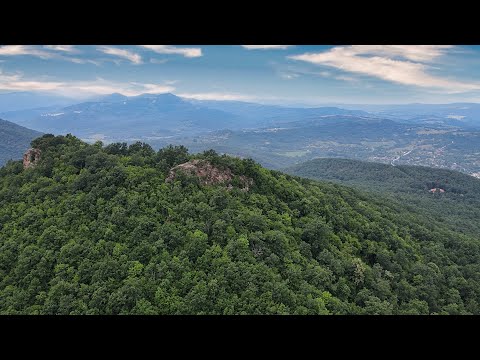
(434, 190)
(209, 174)
(31, 158)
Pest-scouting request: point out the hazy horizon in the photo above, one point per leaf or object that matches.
(281, 102)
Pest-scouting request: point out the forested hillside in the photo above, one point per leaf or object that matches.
(441, 195)
(114, 230)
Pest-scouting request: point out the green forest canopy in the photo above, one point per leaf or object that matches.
(97, 230)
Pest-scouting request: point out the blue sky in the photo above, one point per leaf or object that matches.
(281, 74)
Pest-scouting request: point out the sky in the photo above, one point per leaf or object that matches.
(276, 74)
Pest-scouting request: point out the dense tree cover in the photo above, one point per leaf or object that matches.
(97, 230)
(407, 186)
(14, 140)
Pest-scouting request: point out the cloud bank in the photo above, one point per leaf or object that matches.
(401, 64)
(80, 89)
(17, 50)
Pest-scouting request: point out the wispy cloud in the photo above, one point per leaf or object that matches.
(169, 49)
(80, 89)
(121, 53)
(216, 96)
(46, 52)
(84, 61)
(402, 64)
(63, 48)
(422, 53)
(17, 50)
(266, 47)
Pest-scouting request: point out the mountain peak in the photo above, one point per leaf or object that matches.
(115, 97)
(156, 96)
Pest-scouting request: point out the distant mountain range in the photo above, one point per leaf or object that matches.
(14, 140)
(271, 114)
(158, 116)
(119, 117)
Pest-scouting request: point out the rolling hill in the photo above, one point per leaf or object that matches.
(450, 197)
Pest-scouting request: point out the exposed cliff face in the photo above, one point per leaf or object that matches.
(209, 174)
(31, 158)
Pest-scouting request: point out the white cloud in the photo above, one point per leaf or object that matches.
(122, 53)
(421, 53)
(63, 48)
(84, 61)
(46, 52)
(16, 82)
(17, 50)
(266, 47)
(402, 64)
(80, 89)
(216, 96)
(169, 49)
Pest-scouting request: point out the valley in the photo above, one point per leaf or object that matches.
(400, 144)
(275, 136)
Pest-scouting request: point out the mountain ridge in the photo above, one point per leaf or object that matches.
(14, 140)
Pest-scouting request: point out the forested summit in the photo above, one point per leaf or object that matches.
(93, 229)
